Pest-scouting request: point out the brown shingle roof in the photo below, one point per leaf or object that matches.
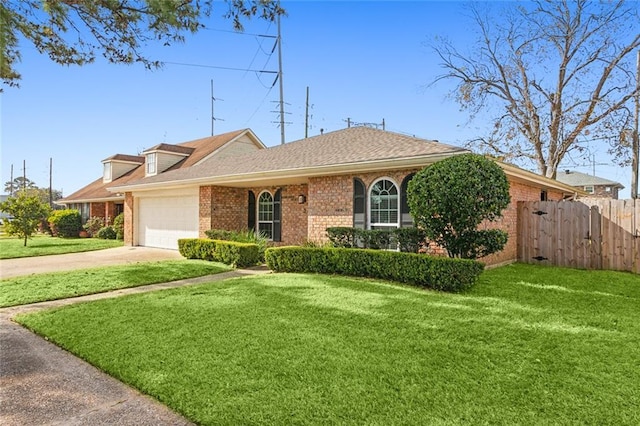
(179, 149)
(124, 157)
(340, 148)
(200, 148)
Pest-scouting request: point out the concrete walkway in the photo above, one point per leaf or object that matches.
(41, 384)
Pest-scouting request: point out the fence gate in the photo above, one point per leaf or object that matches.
(589, 234)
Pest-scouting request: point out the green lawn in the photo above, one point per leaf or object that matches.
(527, 345)
(44, 245)
(59, 285)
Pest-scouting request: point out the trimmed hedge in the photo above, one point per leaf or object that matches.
(437, 273)
(245, 236)
(406, 239)
(228, 252)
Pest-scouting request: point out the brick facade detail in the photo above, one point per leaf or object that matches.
(128, 219)
(227, 208)
(331, 200)
(106, 210)
(603, 191)
(97, 210)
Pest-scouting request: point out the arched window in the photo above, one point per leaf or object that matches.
(265, 214)
(269, 214)
(384, 205)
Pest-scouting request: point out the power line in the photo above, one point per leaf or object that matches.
(258, 51)
(240, 32)
(184, 64)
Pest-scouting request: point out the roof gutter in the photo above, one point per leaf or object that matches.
(90, 200)
(527, 176)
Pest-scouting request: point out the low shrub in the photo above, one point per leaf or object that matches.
(437, 273)
(342, 236)
(118, 226)
(231, 253)
(410, 240)
(245, 236)
(93, 225)
(107, 233)
(65, 223)
(407, 239)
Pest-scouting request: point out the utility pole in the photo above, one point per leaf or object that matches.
(636, 137)
(213, 117)
(281, 83)
(306, 116)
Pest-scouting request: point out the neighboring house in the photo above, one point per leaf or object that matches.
(594, 186)
(293, 192)
(95, 200)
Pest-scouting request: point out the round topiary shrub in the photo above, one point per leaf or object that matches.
(450, 198)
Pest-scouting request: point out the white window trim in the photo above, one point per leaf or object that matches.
(589, 191)
(107, 172)
(154, 163)
(368, 203)
(258, 221)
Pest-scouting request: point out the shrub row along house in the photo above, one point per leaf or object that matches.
(355, 177)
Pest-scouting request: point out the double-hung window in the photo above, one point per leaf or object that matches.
(151, 163)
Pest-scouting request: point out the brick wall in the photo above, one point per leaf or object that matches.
(128, 219)
(110, 212)
(205, 210)
(105, 210)
(227, 208)
(600, 191)
(97, 210)
(331, 200)
(294, 215)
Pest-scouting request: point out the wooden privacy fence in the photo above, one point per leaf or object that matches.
(588, 234)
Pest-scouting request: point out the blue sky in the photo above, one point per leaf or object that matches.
(361, 60)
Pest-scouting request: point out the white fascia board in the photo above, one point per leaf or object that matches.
(90, 200)
(526, 176)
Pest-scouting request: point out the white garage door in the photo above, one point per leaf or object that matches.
(163, 220)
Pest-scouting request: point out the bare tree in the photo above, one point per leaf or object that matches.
(553, 75)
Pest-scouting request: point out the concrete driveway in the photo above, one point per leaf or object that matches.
(90, 259)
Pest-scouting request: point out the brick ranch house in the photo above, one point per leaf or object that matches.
(293, 192)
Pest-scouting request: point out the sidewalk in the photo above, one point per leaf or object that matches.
(41, 384)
